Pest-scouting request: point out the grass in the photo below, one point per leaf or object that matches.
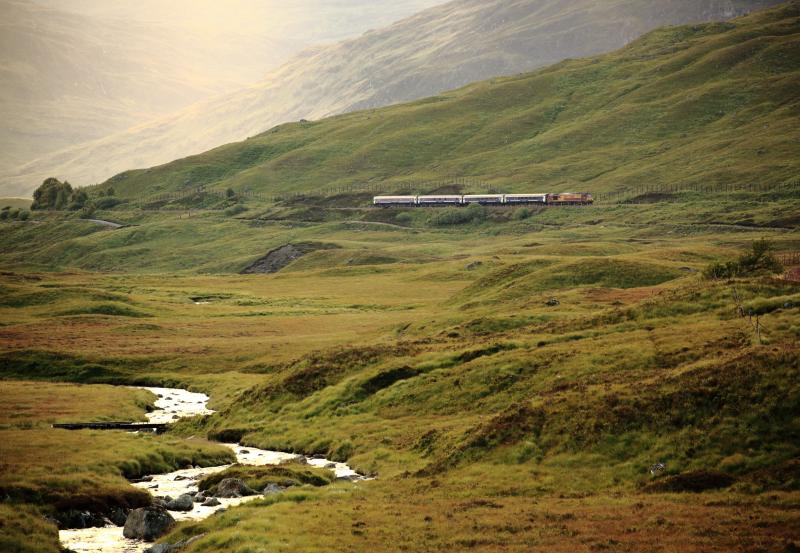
(258, 477)
(455, 385)
(429, 354)
(38, 403)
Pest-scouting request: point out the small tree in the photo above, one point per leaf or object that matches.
(230, 194)
(88, 210)
(51, 194)
(78, 199)
(759, 259)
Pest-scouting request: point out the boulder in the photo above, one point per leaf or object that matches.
(295, 460)
(184, 502)
(117, 516)
(211, 502)
(234, 487)
(199, 497)
(272, 489)
(147, 523)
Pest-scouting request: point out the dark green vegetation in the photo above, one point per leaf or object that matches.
(424, 347)
(759, 260)
(713, 103)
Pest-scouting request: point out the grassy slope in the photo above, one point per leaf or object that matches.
(710, 103)
(467, 380)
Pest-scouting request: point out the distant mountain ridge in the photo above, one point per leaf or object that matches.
(714, 104)
(436, 50)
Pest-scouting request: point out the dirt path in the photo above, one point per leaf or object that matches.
(109, 224)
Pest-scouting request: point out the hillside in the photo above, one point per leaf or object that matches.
(704, 104)
(80, 71)
(439, 49)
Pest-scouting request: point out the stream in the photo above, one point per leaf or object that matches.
(173, 404)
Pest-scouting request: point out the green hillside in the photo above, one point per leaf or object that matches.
(704, 104)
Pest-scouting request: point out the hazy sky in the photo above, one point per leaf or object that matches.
(297, 20)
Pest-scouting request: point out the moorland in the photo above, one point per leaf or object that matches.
(509, 376)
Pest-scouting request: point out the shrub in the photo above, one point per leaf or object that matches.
(759, 259)
(521, 214)
(51, 194)
(459, 216)
(404, 218)
(78, 199)
(106, 203)
(24, 215)
(235, 210)
(88, 210)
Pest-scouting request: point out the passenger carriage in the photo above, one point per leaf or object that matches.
(483, 199)
(394, 201)
(515, 199)
(438, 200)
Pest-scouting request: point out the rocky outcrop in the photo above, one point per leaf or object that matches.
(234, 487)
(271, 489)
(184, 502)
(280, 257)
(147, 523)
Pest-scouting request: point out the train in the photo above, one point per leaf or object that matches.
(564, 198)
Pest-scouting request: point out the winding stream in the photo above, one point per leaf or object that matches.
(173, 404)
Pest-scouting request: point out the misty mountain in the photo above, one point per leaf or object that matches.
(438, 49)
(73, 72)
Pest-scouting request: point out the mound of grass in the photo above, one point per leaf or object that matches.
(610, 273)
(696, 481)
(258, 477)
(107, 309)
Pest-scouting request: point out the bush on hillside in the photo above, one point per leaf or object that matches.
(51, 194)
(760, 259)
(88, 210)
(106, 202)
(78, 199)
(458, 215)
(24, 215)
(235, 210)
(57, 195)
(522, 213)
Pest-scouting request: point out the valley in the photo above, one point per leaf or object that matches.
(620, 375)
